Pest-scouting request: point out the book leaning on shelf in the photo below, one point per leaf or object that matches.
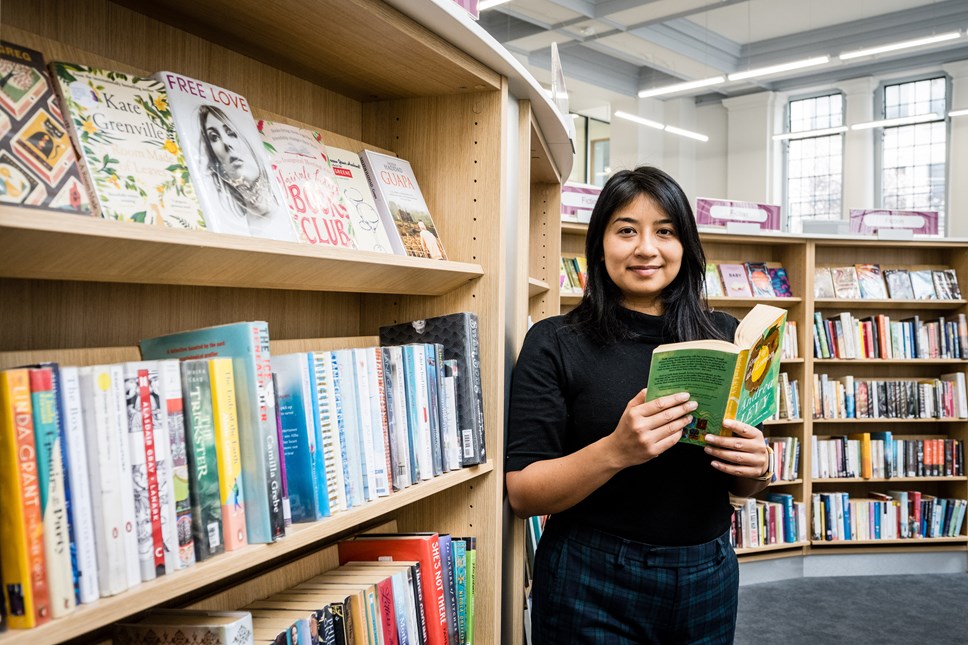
(369, 232)
(728, 380)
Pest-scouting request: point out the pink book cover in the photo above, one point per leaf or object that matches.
(735, 281)
(845, 282)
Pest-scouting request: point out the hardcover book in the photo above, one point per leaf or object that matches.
(899, 284)
(713, 285)
(728, 380)
(870, 281)
(228, 162)
(185, 627)
(131, 161)
(402, 207)
(301, 166)
(845, 282)
(780, 281)
(735, 281)
(368, 229)
(246, 343)
(823, 283)
(760, 280)
(458, 333)
(946, 284)
(38, 166)
(922, 283)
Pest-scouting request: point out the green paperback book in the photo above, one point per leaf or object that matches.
(735, 380)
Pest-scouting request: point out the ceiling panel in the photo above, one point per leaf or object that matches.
(654, 55)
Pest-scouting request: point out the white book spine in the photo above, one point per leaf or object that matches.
(366, 363)
(364, 415)
(105, 443)
(169, 386)
(139, 470)
(350, 432)
(380, 411)
(452, 430)
(426, 455)
(329, 431)
(81, 513)
(118, 402)
(397, 409)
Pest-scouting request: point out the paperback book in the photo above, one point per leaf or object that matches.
(946, 285)
(735, 281)
(760, 280)
(728, 380)
(823, 284)
(845, 282)
(369, 233)
(781, 283)
(899, 284)
(870, 281)
(922, 283)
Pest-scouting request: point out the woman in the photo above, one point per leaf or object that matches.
(637, 546)
(240, 177)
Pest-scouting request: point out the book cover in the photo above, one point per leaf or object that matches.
(922, 283)
(713, 285)
(450, 592)
(186, 626)
(372, 357)
(946, 284)
(823, 283)
(246, 343)
(181, 552)
(735, 281)
(760, 281)
(401, 453)
(24, 589)
(898, 284)
(780, 282)
(131, 161)
(203, 473)
(327, 414)
(227, 160)
(728, 380)
(459, 546)
(300, 164)
(845, 282)
(448, 395)
(401, 206)
(458, 333)
(370, 429)
(871, 281)
(38, 165)
(228, 452)
(418, 418)
(369, 232)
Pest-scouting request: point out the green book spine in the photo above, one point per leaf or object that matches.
(471, 558)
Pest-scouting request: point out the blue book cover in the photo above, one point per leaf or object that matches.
(349, 405)
(328, 414)
(450, 592)
(848, 535)
(888, 440)
(789, 515)
(415, 383)
(459, 550)
(397, 427)
(319, 463)
(299, 437)
(433, 408)
(243, 343)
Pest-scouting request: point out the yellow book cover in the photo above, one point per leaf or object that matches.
(22, 558)
(228, 451)
(866, 464)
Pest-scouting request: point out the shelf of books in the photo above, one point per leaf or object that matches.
(249, 189)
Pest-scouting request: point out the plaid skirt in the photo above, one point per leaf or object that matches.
(593, 587)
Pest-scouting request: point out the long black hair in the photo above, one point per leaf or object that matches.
(686, 312)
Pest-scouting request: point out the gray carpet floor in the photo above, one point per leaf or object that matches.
(856, 610)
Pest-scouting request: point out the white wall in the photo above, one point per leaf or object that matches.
(957, 210)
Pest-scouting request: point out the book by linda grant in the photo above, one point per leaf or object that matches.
(728, 380)
(122, 128)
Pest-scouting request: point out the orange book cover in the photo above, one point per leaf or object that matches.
(228, 453)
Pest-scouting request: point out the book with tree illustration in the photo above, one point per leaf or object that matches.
(729, 380)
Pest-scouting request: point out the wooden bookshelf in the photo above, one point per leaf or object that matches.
(911, 542)
(769, 548)
(889, 361)
(88, 290)
(885, 480)
(537, 287)
(574, 228)
(749, 303)
(843, 304)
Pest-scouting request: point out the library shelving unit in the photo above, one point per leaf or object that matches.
(572, 243)
(380, 75)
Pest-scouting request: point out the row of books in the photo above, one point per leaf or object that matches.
(881, 455)
(779, 519)
(573, 273)
(149, 466)
(747, 280)
(849, 397)
(181, 152)
(846, 336)
(786, 452)
(868, 281)
(894, 515)
(788, 398)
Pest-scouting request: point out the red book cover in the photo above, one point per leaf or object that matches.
(424, 547)
(151, 470)
(388, 615)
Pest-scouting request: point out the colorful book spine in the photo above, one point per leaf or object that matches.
(327, 413)
(268, 427)
(202, 460)
(350, 435)
(180, 549)
(50, 470)
(231, 489)
(24, 589)
(450, 590)
(286, 508)
(471, 543)
(301, 448)
(378, 417)
(397, 423)
(459, 548)
(415, 376)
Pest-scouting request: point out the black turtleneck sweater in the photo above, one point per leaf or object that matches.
(567, 392)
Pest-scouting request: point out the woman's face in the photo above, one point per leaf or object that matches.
(230, 150)
(643, 254)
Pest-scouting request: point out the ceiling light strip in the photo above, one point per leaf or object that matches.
(671, 129)
(906, 44)
(958, 113)
(682, 87)
(804, 134)
(686, 133)
(904, 120)
(776, 69)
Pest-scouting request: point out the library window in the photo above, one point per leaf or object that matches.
(913, 156)
(814, 164)
(592, 143)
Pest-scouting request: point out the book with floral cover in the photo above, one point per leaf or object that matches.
(122, 128)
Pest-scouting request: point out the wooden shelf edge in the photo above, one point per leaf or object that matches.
(961, 539)
(536, 287)
(886, 303)
(885, 480)
(574, 228)
(770, 547)
(106, 611)
(43, 244)
(785, 482)
(782, 422)
(890, 361)
(887, 420)
(726, 301)
(570, 299)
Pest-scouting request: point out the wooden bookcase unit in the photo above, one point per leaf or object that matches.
(85, 291)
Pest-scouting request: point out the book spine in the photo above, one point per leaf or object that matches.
(202, 460)
(450, 597)
(433, 407)
(388, 614)
(372, 459)
(138, 469)
(179, 545)
(231, 486)
(118, 402)
(350, 432)
(417, 410)
(477, 444)
(22, 557)
(298, 435)
(154, 473)
(401, 452)
(286, 507)
(81, 514)
(378, 419)
(269, 435)
(448, 391)
(460, 587)
(471, 551)
(329, 431)
(50, 470)
(314, 434)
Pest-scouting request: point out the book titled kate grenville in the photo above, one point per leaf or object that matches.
(122, 129)
(38, 166)
(228, 163)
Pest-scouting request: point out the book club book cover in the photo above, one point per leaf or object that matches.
(38, 166)
(132, 164)
(301, 165)
(402, 206)
(368, 229)
(228, 163)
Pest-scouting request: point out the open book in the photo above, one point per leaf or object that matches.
(729, 380)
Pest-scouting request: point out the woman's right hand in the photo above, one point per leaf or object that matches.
(648, 429)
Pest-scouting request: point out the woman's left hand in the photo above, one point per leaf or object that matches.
(742, 455)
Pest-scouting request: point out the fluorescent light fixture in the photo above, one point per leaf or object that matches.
(637, 119)
(906, 44)
(489, 4)
(686, 133)
(682, 87)
(809, 133)
(958, 112)
(575, 116)
(904, 120)
(776, 69)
